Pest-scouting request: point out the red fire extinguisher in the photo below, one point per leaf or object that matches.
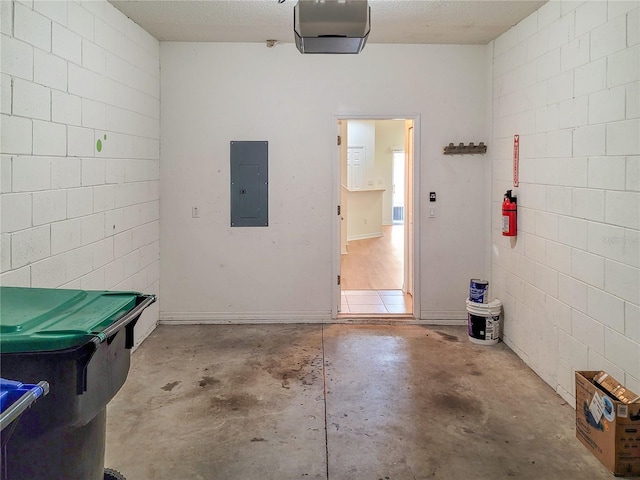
(509, 215)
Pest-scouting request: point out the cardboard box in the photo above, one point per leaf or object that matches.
(609, 428)
(615, 389)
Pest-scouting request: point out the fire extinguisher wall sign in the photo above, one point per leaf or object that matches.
(509, 215)
(516, 159)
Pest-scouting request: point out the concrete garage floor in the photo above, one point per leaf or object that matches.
(337, 402)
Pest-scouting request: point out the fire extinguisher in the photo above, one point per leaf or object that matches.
(509, 215)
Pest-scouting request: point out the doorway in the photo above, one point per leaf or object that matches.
(375, 181)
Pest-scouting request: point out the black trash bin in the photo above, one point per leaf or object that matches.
(80, 342)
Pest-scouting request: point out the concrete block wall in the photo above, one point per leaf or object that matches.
(566, 79)
(79, 176)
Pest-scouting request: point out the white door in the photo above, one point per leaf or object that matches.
(355, 168)
(343, 169)
(408, 224)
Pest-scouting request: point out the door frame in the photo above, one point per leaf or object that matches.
(337, 190)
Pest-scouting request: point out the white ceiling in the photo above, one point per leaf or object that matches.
(392, 21)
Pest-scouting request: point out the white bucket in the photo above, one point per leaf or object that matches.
(484, 321)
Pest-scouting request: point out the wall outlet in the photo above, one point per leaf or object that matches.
(195, 212)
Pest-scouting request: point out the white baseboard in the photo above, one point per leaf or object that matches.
(144, 336)
(382, 320)
(364, 236)
(220, 318)
(224, 318)
(445, 315)
(444, 322)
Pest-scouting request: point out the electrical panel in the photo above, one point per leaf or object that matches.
(249, 184)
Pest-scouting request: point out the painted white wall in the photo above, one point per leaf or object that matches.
(211, 271)
(364, 219)
(378, 138)
(389, 135)
(73, 74)
(364, 211)
(567, 80)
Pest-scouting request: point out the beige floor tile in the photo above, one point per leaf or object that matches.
(398, 309)
(393, 300)
(389, 293)
(373, 309)
(364, 300)
(353, 293)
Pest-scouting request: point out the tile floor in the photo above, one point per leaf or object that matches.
(378, 302)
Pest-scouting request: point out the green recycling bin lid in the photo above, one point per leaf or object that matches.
(45, 319)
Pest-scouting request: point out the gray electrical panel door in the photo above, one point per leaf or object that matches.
(249, 184)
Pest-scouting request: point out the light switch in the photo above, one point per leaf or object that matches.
(432, 212)
(195, 212)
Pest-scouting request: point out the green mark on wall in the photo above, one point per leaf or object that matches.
(99, 143)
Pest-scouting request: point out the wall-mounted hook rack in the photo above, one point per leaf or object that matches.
(462, 149)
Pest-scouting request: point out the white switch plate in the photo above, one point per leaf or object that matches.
(195, 212)
(432, 212)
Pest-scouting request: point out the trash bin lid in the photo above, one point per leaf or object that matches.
(44, 319)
